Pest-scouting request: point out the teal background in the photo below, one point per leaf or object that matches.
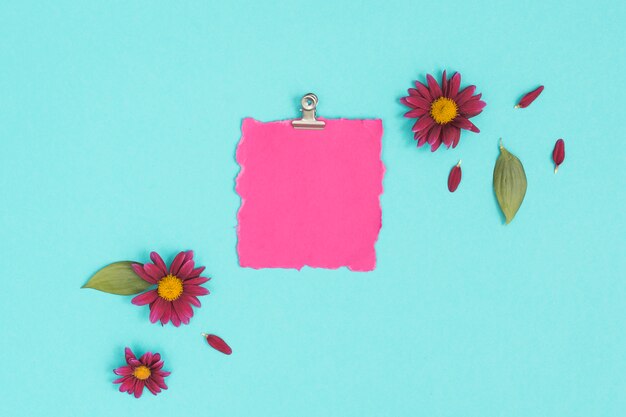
(118, 127)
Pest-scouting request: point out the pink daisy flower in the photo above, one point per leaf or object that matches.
(442, 111)
(178, 287)
(139, 373)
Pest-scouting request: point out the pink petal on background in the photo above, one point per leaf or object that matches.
(558, 154)
(454, 179)
(218, 343)
(529, 98)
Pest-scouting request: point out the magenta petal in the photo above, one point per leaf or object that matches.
(157, 309)
(195, 281)
(155, 358)
(418, 102)
(123, 370)
(191, 299)
(167, 313)
(433, 134)
(413, 92)
(158, 261)
(444, 84)
(146, 358)
(176, 263)
(185, 269)
(453, 87)
(129, 354)
(139, 388)
(465, 95)
(472, 106)
(196, 272)
(121, 379)
(434, 146)
(174, 318)
(126, 385)
(434, 88)
(462, 123)
(424, 123)
(189, 255)
(184, 308)
(145, 298)
(142, 274)
(415, 113)
(152, 386)
(160, 381)
(456, 136)
(153, 271)
(404, 101)
(195, 290)
(423, 90)
(446, 135)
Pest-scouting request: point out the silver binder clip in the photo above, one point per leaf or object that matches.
(308, 121)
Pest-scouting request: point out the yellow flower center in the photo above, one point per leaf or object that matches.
(141, 372)
(443, 110)
(170, 287)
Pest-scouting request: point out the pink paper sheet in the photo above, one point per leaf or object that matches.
(309, 197)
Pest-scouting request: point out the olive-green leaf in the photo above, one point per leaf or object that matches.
(509, 183)
(117, 278)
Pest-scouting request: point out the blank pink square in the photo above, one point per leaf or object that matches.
(309, 197)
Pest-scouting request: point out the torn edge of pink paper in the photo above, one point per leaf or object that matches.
(309, 198)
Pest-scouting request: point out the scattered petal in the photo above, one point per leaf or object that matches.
(558, 154)
(454, 179)
(218, 343)
(529, 98)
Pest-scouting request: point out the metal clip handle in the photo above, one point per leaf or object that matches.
(308, 121)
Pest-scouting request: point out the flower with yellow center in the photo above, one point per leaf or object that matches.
(170, 287)
(142, 372)
(443, 110)
(178, 287)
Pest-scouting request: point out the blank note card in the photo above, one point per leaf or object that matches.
(309, 197)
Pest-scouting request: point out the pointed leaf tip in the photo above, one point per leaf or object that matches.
(117, 278)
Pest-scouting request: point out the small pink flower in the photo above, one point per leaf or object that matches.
(442, 110)
(139, 373)
(178, 287)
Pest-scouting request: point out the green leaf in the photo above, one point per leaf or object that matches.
(118, 278)
(509, 183)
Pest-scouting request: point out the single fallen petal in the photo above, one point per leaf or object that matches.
(529, 98)
(454, 178)
(217, 343)
(558, 154)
